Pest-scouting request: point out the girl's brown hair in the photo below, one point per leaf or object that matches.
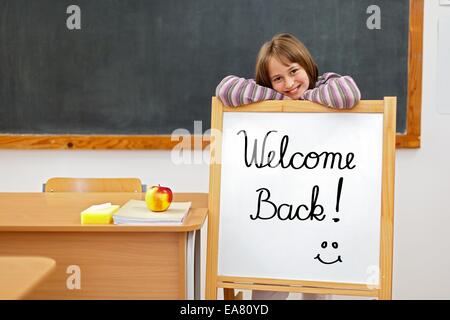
(287, 49)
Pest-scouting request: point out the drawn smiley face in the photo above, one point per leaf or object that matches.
(324, 245)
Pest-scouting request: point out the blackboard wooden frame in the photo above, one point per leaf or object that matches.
(383, 290)
(409, 139)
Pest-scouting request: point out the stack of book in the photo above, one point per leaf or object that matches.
(135, 212)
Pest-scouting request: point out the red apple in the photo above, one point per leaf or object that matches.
(158, 198)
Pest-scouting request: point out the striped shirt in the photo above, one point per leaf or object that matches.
(331, 89)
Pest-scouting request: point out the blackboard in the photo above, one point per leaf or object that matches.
(150, 67)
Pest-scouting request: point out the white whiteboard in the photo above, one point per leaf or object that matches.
(288, 249)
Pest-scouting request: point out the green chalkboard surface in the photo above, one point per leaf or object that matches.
(150, 67)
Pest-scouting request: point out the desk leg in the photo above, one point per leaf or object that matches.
(193, 265)
(190, 244)
(197, 264)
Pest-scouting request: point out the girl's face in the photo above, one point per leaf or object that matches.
(288, 79)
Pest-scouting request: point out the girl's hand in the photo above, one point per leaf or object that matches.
(286, 98)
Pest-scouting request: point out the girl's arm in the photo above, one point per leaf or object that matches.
(335, 91)
(234, 91)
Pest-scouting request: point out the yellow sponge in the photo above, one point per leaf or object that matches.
(99, 214)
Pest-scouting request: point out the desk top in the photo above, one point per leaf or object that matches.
(60, 211)
(19, 275)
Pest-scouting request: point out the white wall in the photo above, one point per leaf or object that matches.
(26, 170)
(422, 199)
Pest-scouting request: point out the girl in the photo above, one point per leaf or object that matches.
(286, 70)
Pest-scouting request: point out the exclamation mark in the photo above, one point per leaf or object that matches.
(338, 200)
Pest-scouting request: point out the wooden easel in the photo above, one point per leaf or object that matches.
(383, 290)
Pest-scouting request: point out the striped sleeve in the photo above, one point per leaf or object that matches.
(234, 91)
(335, 91)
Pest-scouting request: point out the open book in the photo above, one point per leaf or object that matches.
(136, 212)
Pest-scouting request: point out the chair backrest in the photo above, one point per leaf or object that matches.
(94, 185)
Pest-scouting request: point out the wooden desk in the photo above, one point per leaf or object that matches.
(19, 275)
(116, 262)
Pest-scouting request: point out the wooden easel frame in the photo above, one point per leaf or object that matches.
(387, 107)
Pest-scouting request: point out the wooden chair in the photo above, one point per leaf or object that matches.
(94, 185)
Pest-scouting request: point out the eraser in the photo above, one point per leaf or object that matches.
(99, 214)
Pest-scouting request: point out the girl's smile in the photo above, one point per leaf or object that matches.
(293, 91)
